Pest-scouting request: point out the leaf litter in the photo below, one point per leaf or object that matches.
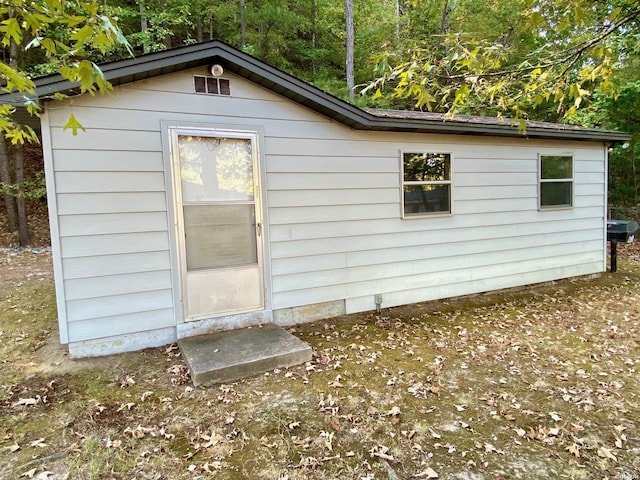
(535, 383)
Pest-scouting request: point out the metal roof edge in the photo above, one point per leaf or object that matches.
(505, 130)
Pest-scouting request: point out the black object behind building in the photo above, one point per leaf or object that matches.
(620, 231)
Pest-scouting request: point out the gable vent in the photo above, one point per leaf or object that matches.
(211, 85)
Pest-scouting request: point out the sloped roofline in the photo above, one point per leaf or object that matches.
(233, 60)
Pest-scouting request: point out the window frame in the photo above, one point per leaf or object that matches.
(404, 183)
(206, 79)
(570, 180)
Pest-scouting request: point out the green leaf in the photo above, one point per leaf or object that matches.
(82, 35)
(11, 29)
(74, 125)
(461, 95)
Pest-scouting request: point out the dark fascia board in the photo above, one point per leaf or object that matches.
(207, 53)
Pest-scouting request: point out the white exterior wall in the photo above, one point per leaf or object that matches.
(333, 207)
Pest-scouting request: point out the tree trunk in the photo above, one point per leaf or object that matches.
(167, 38)
(23, 229)
(397, 20)
(348, 4)
(243, 24)
(314, 33)
(445, 24)
(5, 177)
(144, 26)
(199, 30)
(18, 160)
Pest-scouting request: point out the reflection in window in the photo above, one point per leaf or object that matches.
(426, 183)
(556, 181)
(215, 169)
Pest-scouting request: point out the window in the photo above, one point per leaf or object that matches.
(211, 85)
(556, 181)
(426, 183)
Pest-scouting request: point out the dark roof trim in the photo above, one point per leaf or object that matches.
(240, 63)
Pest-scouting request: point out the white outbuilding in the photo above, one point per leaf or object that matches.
(210, 191)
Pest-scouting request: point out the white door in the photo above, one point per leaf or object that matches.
(219, 224)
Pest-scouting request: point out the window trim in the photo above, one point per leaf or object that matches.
(404, 183)
(570, 180)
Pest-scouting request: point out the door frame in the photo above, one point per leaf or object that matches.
(229, 319)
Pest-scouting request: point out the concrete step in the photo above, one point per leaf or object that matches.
(229, 356)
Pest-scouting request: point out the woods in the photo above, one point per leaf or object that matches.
(562, 61)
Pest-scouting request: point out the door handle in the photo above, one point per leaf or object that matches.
(259, 229)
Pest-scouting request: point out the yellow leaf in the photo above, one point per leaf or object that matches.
(74, 125)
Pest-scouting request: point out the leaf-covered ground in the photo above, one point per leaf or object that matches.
(539, 383)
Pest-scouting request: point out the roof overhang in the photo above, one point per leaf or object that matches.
(233, 60)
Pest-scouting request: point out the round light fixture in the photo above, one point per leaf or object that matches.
(216, 70)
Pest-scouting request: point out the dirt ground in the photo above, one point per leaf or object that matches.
(536, 383)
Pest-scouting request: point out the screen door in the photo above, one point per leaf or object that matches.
(219, 222)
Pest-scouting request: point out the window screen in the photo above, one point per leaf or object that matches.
(556, 181)
(426, 183)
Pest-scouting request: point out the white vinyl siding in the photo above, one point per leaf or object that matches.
(332, 208)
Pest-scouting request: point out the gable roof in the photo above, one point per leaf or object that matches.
(233, 60)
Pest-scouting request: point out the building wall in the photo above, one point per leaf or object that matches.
(333, 204)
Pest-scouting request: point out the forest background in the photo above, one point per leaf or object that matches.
(570, 61)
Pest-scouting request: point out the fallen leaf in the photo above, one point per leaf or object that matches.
(25, 401)
(488, 448)
(574, 450)
(44, 475)
(125, 406)
(328, 439)
(394, 412)
(618, 442)
(145, 395)
(38, 443)
(606, 453)
(380, 451)
(12, 448)
(29, 473)
(428, 473)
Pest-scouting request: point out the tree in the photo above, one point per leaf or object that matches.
(561, 54)
(348, 9)
(619, 113)
(63, 34)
